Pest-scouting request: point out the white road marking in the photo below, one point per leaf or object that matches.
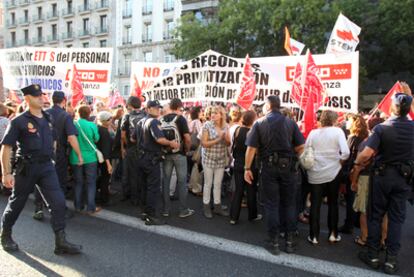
(239, 248)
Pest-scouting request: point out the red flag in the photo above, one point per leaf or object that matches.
(76, 87)
(292, 46)
(116, 99)
(247, 87)
(385, 104)
(309, 117)
(14, 97)
(307, 83)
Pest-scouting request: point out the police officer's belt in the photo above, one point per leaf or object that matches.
(406, 168)
(34, 159)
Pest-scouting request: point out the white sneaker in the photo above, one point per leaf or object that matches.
(313, 241)
(333, 239)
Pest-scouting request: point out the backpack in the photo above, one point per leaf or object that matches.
(171, 133)
(133, 120)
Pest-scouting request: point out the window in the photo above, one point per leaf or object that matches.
(104, 23)
(54, 10)
(85, 45)
(54, 32)
(39, 12)
(169, 30)
(147, 33)
(102, 43)
(147, 8)
(148, 57)
(169, 58)
(128, 35)
(85, 4)
(126, 90)
(86, 26)
(13, 18)
(26, 36)
(13, 38)
(39, 34)
(69, 28)
(127, 64)
(168, 5)
(69, 46)
(70, 6)
(26, 16)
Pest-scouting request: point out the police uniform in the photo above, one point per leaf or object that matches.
(393, 168)
(34, 165)
(63, 128)
(149, 162)
(275, 137)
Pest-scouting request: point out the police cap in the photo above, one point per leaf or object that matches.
(153, 104)
(58, 96)
(33, 90)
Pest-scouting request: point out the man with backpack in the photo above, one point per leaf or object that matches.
(175, 128)
(129, 122)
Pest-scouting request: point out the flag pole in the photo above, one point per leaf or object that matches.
(303, 82)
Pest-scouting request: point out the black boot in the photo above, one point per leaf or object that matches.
(290, 242)
(273, 245)
(7, 241)
(62, 246)
(391, 264)
(370, 258)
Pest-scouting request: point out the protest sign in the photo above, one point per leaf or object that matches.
(216, 77)
(51, 68)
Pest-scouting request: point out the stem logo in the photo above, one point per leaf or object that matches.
(346, 35)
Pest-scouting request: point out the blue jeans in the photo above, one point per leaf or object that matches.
(179, 162)
(85, 175)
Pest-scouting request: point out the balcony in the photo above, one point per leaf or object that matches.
(168, 6)
(24, 42)
(102, 6)
(11, 44)
(24, 21)
(37, 19)
(127, 14)
(85, 33)
(52, 16)
(168, 35)
(127, 42)
(146, 10)
(52, 38)
(146, 38)
(11, 24)
(102, 31)
(84, 9)
(24, 2)
(68, 12)
(35, 1)
(38, 41)
(11, 4)
(67, 36)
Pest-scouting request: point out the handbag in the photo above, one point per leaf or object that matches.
(98, 153)
(307, 158)
(197, 155)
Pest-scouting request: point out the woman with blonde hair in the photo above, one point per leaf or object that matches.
(214, 159)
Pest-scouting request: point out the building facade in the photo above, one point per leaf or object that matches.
(147, 28)
(2, 96)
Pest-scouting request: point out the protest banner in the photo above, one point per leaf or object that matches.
(51, 68)
(216, 77)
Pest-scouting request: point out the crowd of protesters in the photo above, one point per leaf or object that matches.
(212, 147)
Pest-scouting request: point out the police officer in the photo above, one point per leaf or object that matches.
(149, 139)
(276, 140)
(33, 133)
(393, 143)
(128, 150)
(65, 132)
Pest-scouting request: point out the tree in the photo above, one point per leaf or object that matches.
(256, 27)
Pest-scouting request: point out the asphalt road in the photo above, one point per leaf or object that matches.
(118, 244)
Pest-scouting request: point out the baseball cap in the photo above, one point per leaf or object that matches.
(33, 90)
(104, 116)
(153, 104)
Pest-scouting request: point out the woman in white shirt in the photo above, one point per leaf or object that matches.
(330, 150)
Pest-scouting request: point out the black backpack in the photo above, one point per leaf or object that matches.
(171, 132)
(133, 119)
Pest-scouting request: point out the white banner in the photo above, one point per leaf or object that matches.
(216, 77)
(51, 68)
(344, 36)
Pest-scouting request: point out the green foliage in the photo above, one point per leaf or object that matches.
(257, 27)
